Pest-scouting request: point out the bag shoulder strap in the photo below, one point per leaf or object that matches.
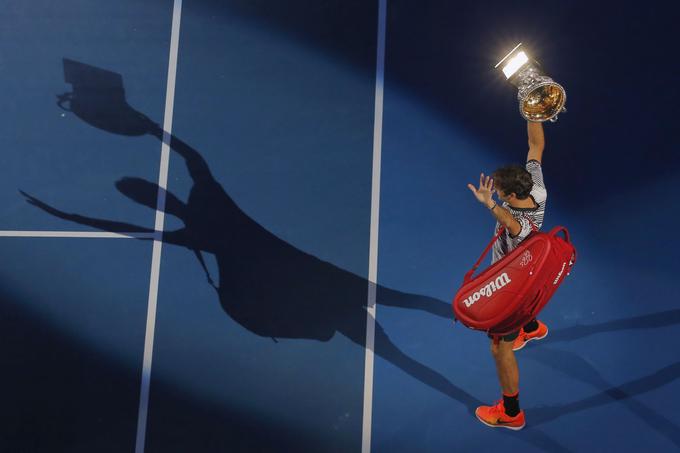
(468, 275)
(501, 230)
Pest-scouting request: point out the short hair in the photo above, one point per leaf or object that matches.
(513, 179)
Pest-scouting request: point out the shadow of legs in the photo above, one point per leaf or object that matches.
(574, 366)
(651, 321)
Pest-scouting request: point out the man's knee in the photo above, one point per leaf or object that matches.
(495, 346)
(501, 348)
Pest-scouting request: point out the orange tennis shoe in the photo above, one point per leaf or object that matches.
(524, 337)
(495, 417)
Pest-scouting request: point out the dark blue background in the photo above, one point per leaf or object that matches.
(277, 99)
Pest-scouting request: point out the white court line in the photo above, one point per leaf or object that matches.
(76, 234)
(375, 221)
(160, 220)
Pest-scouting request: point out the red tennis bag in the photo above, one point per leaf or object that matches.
(513, 290)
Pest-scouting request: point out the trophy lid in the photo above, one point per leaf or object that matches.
(513, 61)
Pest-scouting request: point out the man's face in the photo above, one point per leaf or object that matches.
(502, 195)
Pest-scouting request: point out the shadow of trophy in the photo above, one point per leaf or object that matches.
(98, 98)
(540, 97)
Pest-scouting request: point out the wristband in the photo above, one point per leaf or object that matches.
(494, 205)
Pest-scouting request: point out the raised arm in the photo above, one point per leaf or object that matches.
(536, 141)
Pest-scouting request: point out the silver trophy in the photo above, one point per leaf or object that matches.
(540, 97)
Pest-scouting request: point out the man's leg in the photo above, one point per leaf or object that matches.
(505, 414)
(506, 366)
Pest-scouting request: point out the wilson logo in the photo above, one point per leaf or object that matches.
(560, 274)
(488, 290)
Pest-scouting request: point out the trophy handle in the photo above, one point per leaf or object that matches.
(62, 99)
(554, 118)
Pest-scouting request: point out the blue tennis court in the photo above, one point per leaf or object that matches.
(201, 198)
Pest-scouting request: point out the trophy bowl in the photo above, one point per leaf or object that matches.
(540, 97)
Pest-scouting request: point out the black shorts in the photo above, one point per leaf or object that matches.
(513, 336)
(509, 337)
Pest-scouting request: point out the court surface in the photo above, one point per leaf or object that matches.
(226, 310)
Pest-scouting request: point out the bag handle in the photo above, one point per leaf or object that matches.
(468, 275)
(560, 229)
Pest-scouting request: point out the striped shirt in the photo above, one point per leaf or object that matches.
(505, 243)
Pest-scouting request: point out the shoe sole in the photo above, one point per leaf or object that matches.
(534, 338)
(514, 428)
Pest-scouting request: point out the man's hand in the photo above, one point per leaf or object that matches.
(484, 193)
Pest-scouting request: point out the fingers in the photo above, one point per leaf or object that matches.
(28, 197)
(472, 188)
(42, 205)
(35, 202)
(485, 182)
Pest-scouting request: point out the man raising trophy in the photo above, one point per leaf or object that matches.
(520, 210)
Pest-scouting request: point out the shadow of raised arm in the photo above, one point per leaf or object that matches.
(112, 226)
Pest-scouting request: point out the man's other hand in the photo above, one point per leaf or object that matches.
(484, 193)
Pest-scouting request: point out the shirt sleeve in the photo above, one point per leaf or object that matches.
(538, 191)
(525, 229)
(534, 168)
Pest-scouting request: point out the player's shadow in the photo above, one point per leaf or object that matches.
(266, 285)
